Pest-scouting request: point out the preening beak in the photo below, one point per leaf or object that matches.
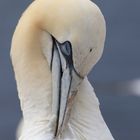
(65, 82)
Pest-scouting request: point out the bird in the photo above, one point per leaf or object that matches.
(55, 45)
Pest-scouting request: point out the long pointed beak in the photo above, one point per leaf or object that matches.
(65, 82)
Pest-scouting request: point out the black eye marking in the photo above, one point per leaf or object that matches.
(90, 50)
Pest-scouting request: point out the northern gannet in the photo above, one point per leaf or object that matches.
(55, 45)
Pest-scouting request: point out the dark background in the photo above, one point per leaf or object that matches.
(115, 77)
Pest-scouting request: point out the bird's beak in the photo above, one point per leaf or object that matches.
(65, 82)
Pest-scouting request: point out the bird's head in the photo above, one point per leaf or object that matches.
(78, 35)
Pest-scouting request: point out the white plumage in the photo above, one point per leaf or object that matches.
(79, 26)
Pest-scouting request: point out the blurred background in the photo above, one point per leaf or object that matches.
(116, 78)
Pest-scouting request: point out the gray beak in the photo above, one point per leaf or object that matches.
(65, 83)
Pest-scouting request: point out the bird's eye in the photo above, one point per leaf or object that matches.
(66, 48)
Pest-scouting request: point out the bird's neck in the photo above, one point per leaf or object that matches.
(86, 120)
(32, 73)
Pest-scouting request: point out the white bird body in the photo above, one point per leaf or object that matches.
(81, 23)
